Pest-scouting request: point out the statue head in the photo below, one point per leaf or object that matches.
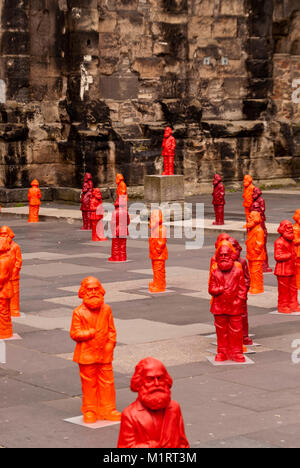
(8, 231)
(220, 238)
(254, 218)
(35, 183)
(247, 180)
(119, 178)
(87, 177)
(97, 194)
(286, 230)
(225, 257)
(236, 245)
(92, 293)
(256, 193)
(5, 239)
(217, 179)
(153, 384)
(296, 216)
(168, 132)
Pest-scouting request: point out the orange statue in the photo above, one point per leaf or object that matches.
(121, 187)
(6, 289)
(256, 253)
(153, 420)
(158, 252)
(94, 331)
(296, 228)
(248, 194)
(16, 256)
(34, 197)
(97, 212)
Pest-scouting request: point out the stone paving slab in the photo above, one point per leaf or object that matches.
(236, 442)
(286, 436)
(49, 342)
(14, 394)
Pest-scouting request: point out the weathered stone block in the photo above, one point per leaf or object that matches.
(164, 188)
(224, 27)
(232, 7)
(150, 67)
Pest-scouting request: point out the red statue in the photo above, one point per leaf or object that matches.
(94, 331)
(228, 289)
(88, 179)
(296, 228)
(248, 194)
(243, 262)
(34, 197)
(121, 187)
(6, 288)
(168, 151)
(286, 268)
(16, 258)
(97, 212)
(218, 199)
(119, 228)
(259, 205)
(85, 201)
(158, 251)
(153, 420)
(256, 253)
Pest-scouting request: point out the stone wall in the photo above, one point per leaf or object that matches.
(89, 85)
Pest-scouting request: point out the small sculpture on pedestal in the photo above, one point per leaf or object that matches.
(85, 199)
(168, 151)
(228, 290)
(158, 252)
(248, 194)
(296, 228)
(119, 228)
(259, 205)
(153, 420)
(6, 288)
(16, 258)
(286, 268)
(218, 200)
(34, 197)
(121, 187)
(97, 212)
(256, 254)
(95, 334)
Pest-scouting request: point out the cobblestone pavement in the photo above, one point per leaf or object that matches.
(254, 405)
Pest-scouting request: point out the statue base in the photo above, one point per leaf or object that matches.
(167, 194)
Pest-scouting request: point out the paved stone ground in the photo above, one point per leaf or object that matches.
(228, 406)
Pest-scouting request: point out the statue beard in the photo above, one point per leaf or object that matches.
(225, 265)
(5, 244)
(289, 236)
(94, 302)
(155, 399)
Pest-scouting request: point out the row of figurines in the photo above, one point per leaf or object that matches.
(94, 332)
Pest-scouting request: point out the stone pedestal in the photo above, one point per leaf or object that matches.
(168, 193)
